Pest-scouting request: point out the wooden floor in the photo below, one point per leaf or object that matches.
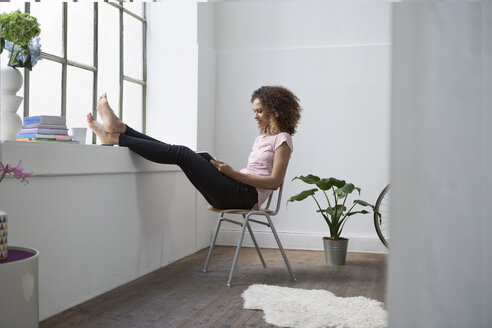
(181, 295)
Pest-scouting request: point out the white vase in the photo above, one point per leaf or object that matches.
(11, 122)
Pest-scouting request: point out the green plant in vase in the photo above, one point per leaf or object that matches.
(336, 213)
(18, 32)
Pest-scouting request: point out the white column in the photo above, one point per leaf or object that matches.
(486, 186)
(440, 266)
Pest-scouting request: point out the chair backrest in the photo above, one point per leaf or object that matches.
(279, 200)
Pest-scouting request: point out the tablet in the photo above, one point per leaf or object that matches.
(205, 155)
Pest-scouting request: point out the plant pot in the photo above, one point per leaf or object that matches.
(19, 288)
(335, 251)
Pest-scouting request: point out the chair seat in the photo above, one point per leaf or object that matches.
(213, 209)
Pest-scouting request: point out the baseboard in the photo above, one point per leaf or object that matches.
(265, 239)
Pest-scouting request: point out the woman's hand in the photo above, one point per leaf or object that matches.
(223, 167)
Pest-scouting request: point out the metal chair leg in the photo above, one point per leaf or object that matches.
(236, 256)
(212, 245)
(256, 245)
(281, 248)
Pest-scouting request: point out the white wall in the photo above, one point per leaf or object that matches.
(335, 57)
(440, 264)
(99, 216)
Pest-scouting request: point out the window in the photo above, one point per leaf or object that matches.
(87, 48)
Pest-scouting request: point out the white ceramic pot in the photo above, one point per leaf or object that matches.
(11, 82)
(19, 296)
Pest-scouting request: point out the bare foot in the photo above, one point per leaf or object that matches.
(111, 122)
(107, 138)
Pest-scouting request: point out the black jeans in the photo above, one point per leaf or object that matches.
(219, 190)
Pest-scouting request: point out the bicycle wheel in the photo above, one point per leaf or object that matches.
(382, 223)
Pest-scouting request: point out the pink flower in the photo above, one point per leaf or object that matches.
(16, 171)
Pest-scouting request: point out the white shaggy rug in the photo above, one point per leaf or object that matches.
(294, 307)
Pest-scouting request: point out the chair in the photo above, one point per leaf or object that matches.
(244, 222)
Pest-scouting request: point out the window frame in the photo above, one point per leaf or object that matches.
(65, 61)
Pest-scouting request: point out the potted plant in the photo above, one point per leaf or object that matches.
(335, 214)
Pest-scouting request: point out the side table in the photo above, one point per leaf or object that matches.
(19, 298)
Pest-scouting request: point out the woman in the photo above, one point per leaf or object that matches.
(277, 112)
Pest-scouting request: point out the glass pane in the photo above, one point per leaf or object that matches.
(49, 15)
(109, 54)
(79, 98)
(7, 7)
(80, 39)
(132, 43)
(45, 89)
(132, 105)
(134, 7)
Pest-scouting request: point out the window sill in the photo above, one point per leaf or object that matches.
(58, 159)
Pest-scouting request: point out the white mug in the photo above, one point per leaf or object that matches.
(79, 134)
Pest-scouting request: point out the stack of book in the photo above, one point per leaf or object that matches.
(44, 128)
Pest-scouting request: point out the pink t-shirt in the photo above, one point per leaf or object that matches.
(260, 161)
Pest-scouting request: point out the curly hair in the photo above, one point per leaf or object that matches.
(283, 107)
